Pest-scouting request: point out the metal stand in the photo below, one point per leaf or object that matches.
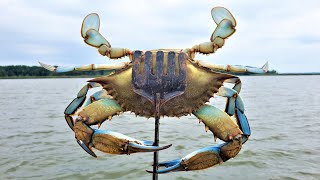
(156, 86)
(156, 135)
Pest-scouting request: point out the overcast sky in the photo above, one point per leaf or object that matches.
(286, 33)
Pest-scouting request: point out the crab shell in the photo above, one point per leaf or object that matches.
(202, 84)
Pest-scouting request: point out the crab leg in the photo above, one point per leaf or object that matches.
(90, 67)
(234, 100)
(226, 24)
(90, 33)
(79, 101)
(103, 94)
(235, 107)
(231, 68)
(237, 83)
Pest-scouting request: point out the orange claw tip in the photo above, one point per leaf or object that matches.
(206, 128)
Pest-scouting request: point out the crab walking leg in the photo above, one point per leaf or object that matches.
(231, 68)
(222, 126)
(234, 101)
(237, 83)
(78, 102)
(82, 101)
(103, 94)
(235, 106)
(90, 67)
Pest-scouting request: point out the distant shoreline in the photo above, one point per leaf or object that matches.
(37, 72)
(45, 77)
(85, 76)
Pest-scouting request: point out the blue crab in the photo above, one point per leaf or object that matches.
(199, 81)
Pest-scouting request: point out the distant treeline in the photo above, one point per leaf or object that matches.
(22, 71)
(37, 71)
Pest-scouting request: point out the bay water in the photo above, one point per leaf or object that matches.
(283, 112)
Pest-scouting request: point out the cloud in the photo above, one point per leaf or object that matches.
(283, 32)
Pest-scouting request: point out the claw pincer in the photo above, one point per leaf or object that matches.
(110, 142)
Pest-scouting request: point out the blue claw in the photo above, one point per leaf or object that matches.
(83, 91)
(169, 163)
(86, 148)
(142, 148)
(70, 121)
(74, 105)
(176, 167)
(148, 143)
(197, 160)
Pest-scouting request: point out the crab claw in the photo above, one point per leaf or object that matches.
(171, 166)
(199, 159)
(122, 144)
(202, 158)
(86, 148)
(110, 142)
(135, 147)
